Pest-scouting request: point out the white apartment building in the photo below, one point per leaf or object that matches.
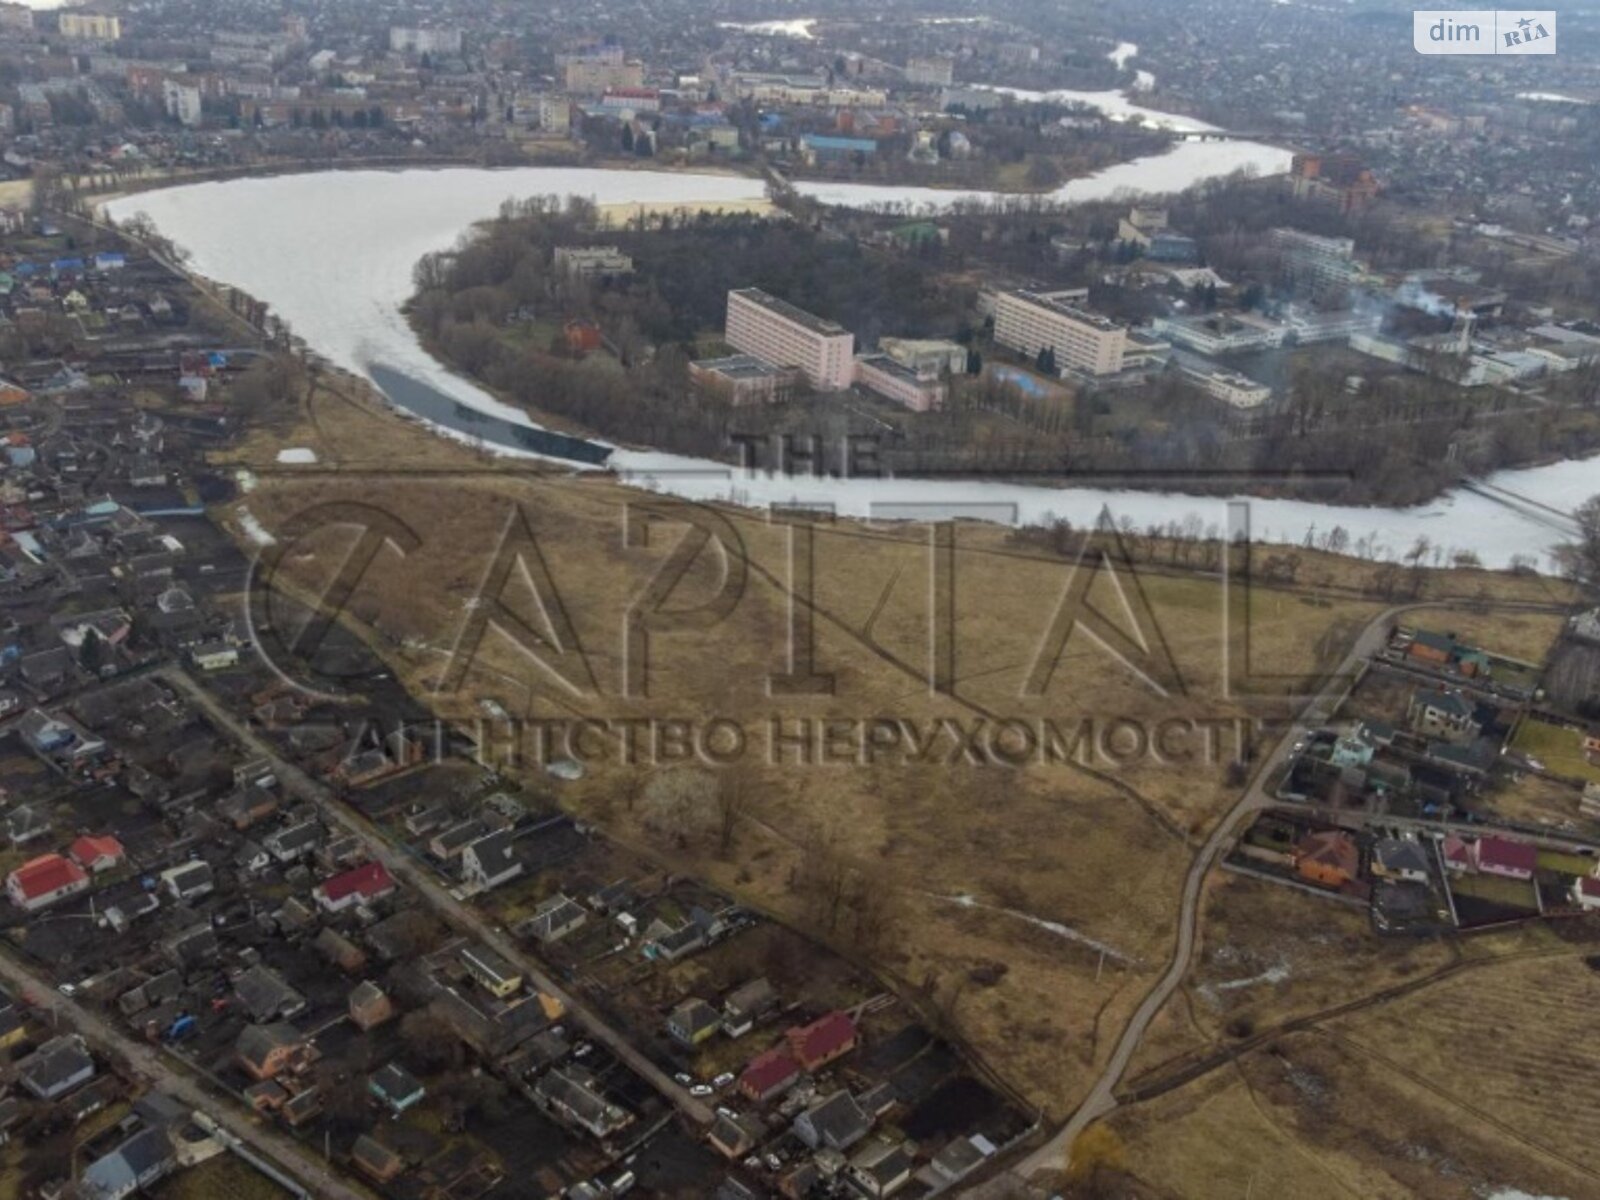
(1082, 341)
(1323, 262)
(182, 102)
(408, 39)
(777, 332)
(931, 71)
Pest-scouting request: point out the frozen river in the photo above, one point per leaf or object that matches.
(333, 252)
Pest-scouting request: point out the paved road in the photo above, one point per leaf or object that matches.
(1101, 1100)
(462, 916)
(315, 1175)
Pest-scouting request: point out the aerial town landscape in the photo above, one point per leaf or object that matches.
(730, 599)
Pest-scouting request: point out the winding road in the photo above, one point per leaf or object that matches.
(1054, 1155)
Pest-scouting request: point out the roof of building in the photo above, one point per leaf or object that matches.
(767, 1070)
(790, 312)
(824, 1037)
(45, 874)
(90, 848)
(1507, 854)
(368, 880)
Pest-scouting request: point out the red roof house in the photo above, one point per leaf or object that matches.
(768, 1074)
(96, 854)
(822, 1041)
(359, 885)
(44, 880)
(1457, 854)
(1501, 856)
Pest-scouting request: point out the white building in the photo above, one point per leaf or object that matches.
(884, 376)
(931, 71)
(182, 102)
(411, 39)
(587, 261)
(779, 333)
(1027, 322)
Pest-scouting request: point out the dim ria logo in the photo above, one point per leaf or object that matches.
(1484, 31)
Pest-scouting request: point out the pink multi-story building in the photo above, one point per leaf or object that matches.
(777, 332)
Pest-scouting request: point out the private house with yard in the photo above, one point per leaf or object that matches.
(493, 973)
(1505, 858)
(188, 881)
(746, 1005)
(816, 1045)
(835, 1123)
(1586, 893)
(46, 880)
(267, 1051)
(490, 861)
(365, 884)
(396, 1088)
(369, 1005)
(554, 919)
(881, 1169)
(135, 1165)
(768, 1075)
(1400, 860)
(573, 1095)
(692, 1022)
(96, 854)
(56, 1067)
(1436, 713)
(1328, 858)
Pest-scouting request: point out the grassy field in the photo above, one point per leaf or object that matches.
(1318, 1115)
(1068, 873)
(1558, 747)
(1536, 1080)
(223, 1177)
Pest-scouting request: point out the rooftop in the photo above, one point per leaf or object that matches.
(783, 308)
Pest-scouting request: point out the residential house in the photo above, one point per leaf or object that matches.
(493, 973)
(768, 1075)
(246, 805)
(834, 1123)
(1400, 860)
(574, 1095)
(692, 1022)
(375, 1160)
(881, 1169)
(1436, 713)
(293, 842)
(554, 919)
(746, 1005)
(266, 996)
(1506, 858)
(97, 853)
(365, 884)
(267, 1051)
(135, 1165)
(396, 1088)
(490, 861)
(188, 881)
(369, 1005)
(1329, 858)
(449, 842)
(1586, 893)
(733, 1135)
(828, 1037)
(43, 881)
(56, 1067)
